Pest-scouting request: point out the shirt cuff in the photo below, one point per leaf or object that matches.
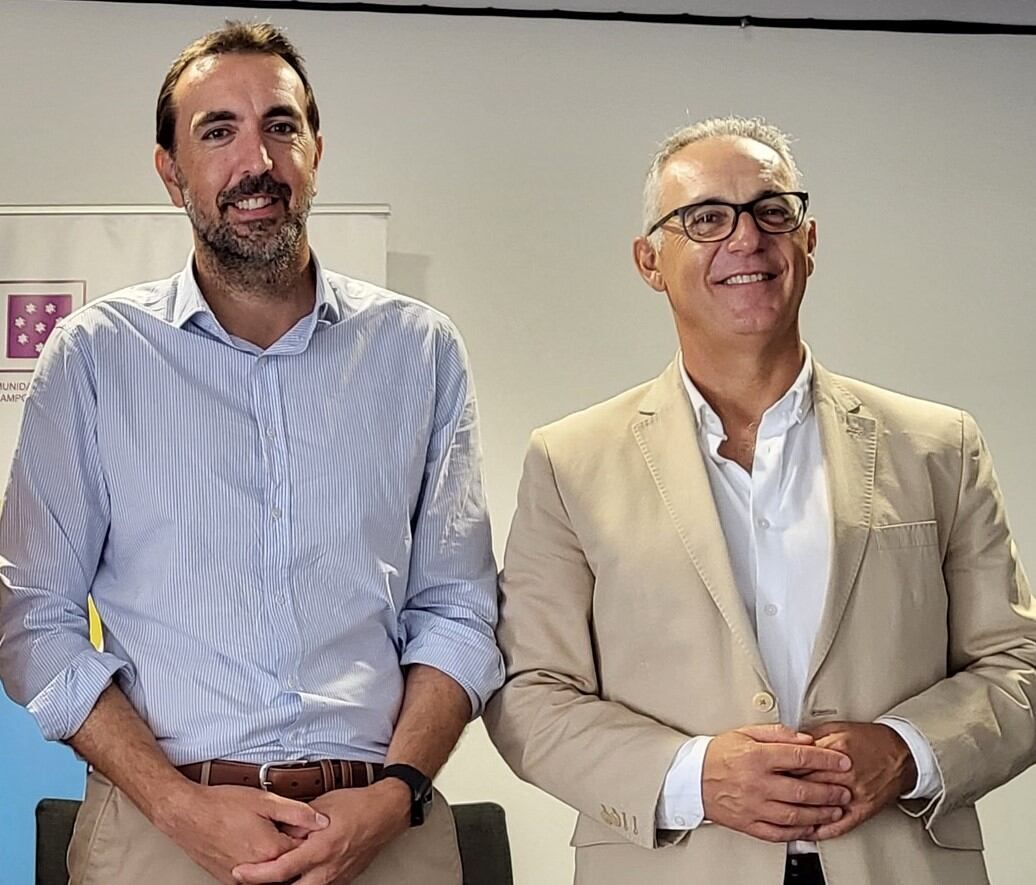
(929, 781)
(471, 660)
(680, 805)
(62, 706)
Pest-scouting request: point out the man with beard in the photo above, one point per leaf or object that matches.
(267, 476)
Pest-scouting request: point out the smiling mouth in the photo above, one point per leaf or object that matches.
(742, 279)
(250, 204)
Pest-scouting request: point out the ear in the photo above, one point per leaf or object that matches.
(645, 257)
(165, 165)
(811, 246)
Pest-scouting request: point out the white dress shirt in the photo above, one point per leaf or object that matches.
(777, 525)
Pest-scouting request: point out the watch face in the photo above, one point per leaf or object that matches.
(419, 810)
(422, 804)
(420, 790)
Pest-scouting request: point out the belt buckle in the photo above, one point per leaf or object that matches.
(264, 770)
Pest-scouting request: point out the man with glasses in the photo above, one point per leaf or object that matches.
(761, 622)
(267, 475)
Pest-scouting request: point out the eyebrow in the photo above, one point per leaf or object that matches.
(283, 110)
(213, 117)
(766, 192)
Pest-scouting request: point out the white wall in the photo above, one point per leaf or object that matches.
(512, 153)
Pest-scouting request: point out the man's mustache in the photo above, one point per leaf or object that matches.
(252, 185)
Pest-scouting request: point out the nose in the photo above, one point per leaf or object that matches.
(746, 236)
(254, 158)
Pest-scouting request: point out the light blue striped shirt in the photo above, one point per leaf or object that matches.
(268, 535)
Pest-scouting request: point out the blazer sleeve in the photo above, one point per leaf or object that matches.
(549, 720)
(979, 720)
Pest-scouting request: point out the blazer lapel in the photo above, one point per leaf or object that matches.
(849, 441)
(667, 436)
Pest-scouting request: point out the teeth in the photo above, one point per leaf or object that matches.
(253, 203)
(742, 278)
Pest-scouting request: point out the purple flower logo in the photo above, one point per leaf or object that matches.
(30, 320)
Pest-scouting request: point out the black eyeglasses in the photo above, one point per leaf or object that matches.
(714, 221)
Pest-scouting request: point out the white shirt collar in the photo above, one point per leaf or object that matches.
(792, 408)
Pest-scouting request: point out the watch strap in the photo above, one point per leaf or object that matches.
(420, 788)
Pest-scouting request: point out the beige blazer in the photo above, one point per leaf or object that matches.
(623, 631)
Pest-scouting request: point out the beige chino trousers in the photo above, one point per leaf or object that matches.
(114, 844)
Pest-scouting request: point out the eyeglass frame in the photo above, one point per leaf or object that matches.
(738, 208)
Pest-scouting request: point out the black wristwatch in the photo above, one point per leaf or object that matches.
(420, 789)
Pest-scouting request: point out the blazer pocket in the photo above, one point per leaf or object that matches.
(906, 534)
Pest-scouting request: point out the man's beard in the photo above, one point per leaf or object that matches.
(263, 254)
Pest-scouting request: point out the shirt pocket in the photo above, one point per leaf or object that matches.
(906, 534)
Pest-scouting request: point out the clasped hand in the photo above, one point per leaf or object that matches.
(362, 821)
(780, 785)
(244, 835)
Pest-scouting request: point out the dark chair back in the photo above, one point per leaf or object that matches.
(485, 852)
(54, 821)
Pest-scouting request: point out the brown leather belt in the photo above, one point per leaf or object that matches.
(301, 780)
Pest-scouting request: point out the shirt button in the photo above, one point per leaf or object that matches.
(270, 433)
(680, 822)
(763, 701)
(770, 609)
(275, 513)
(763, 523)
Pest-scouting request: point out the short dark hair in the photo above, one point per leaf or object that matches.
(235, 36)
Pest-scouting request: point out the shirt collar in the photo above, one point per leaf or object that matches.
(188, 300)
(328, 310)
(792, 408)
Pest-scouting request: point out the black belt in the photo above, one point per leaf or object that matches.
(803, 869)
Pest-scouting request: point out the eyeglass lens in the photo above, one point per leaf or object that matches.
(776, 214)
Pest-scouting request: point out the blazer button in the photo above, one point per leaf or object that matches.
(763, 701)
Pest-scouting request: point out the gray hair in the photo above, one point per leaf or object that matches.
(755, 128)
